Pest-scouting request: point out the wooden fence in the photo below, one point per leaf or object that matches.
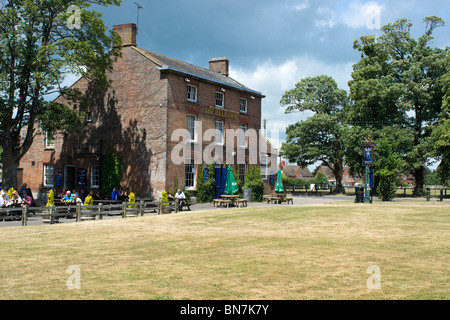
(81, 213)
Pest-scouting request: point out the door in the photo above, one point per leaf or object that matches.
(221, 181)
(69, 178)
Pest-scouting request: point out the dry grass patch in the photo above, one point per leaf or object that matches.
(316, 252)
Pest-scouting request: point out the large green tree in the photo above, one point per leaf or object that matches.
(398, 82)
(41, 42)
(441, 134)
(319, 138)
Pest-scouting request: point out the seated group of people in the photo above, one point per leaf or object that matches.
(16, 199)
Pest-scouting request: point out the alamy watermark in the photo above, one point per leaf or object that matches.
(74, 19)
(374, 281)
(228, 146)
(74, 280)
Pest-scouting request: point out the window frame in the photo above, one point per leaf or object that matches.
(48, 137)
(222, 132)
(97, 171)
(218, 95)
(194, 128)
(240, 105)
(190, 164)
(46, 175)
(189, 86)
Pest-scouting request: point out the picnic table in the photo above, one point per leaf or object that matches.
(278, 198)
(227, 200)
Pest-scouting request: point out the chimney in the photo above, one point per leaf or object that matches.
(128, 34)
(220, 65)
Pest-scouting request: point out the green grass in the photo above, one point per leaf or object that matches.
(316, 252)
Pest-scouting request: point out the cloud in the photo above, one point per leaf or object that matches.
(360, 15)
(302, 6)
(274, 79)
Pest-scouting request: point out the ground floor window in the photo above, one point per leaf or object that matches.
(264, 166)
(49, 174)
(190, 173)
(242, 172)
(95, 176)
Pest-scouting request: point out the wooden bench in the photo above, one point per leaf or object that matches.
(241, 202)
(184, 203)
(291, 200)
(221, 202)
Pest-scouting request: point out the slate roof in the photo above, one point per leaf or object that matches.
(167, 64)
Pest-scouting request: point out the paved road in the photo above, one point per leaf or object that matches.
(298, 201)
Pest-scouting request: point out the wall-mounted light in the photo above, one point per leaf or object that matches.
(187, 80)
(252, 97)
(222, 89)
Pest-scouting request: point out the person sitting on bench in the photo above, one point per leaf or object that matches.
(180, 196)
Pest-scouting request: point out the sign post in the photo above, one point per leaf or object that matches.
(368, 161)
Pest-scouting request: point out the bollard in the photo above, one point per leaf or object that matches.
(428, 194)
(442, 195)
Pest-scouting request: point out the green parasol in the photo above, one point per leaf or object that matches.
(231, 187)
(279, 186)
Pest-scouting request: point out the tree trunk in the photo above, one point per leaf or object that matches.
(419, 177)
(338, 173)
(10, 165)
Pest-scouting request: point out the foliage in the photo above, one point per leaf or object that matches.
(319, 138)
(441, 134)
(164, 198)
(206, 191)
(38, 51)
(50, 199)
(254, 181)
(132, 199)
(89, 201)
(388, 164)
(398, 83)
(319, 178)
(387, 187)
(111, 171)
(287, 181)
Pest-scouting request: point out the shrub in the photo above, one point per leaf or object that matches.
(164, 198)
(254, 181)
(89, 201)
(51, 199)
(387, 187)
(132, 199)
(206, 191)
(111, 171)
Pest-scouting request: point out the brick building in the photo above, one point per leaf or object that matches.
(151, 97)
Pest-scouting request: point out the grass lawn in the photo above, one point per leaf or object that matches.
(281, 252)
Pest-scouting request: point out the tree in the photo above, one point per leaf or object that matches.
(441, 134)
(319, 138)
(388, 164)
(398, 82)
(111, 171)
(39, 47)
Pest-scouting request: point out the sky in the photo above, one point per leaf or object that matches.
(272, 44)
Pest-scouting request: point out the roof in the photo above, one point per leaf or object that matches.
(176, 66)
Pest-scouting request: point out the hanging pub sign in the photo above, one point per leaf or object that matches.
(368, 155)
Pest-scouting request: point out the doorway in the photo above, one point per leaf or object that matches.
(69, 177)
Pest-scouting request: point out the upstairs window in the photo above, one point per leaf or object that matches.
(220, 101)
(192, 127)
(49, 140)
(191, 93)
(243, 105)
(219, 131)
